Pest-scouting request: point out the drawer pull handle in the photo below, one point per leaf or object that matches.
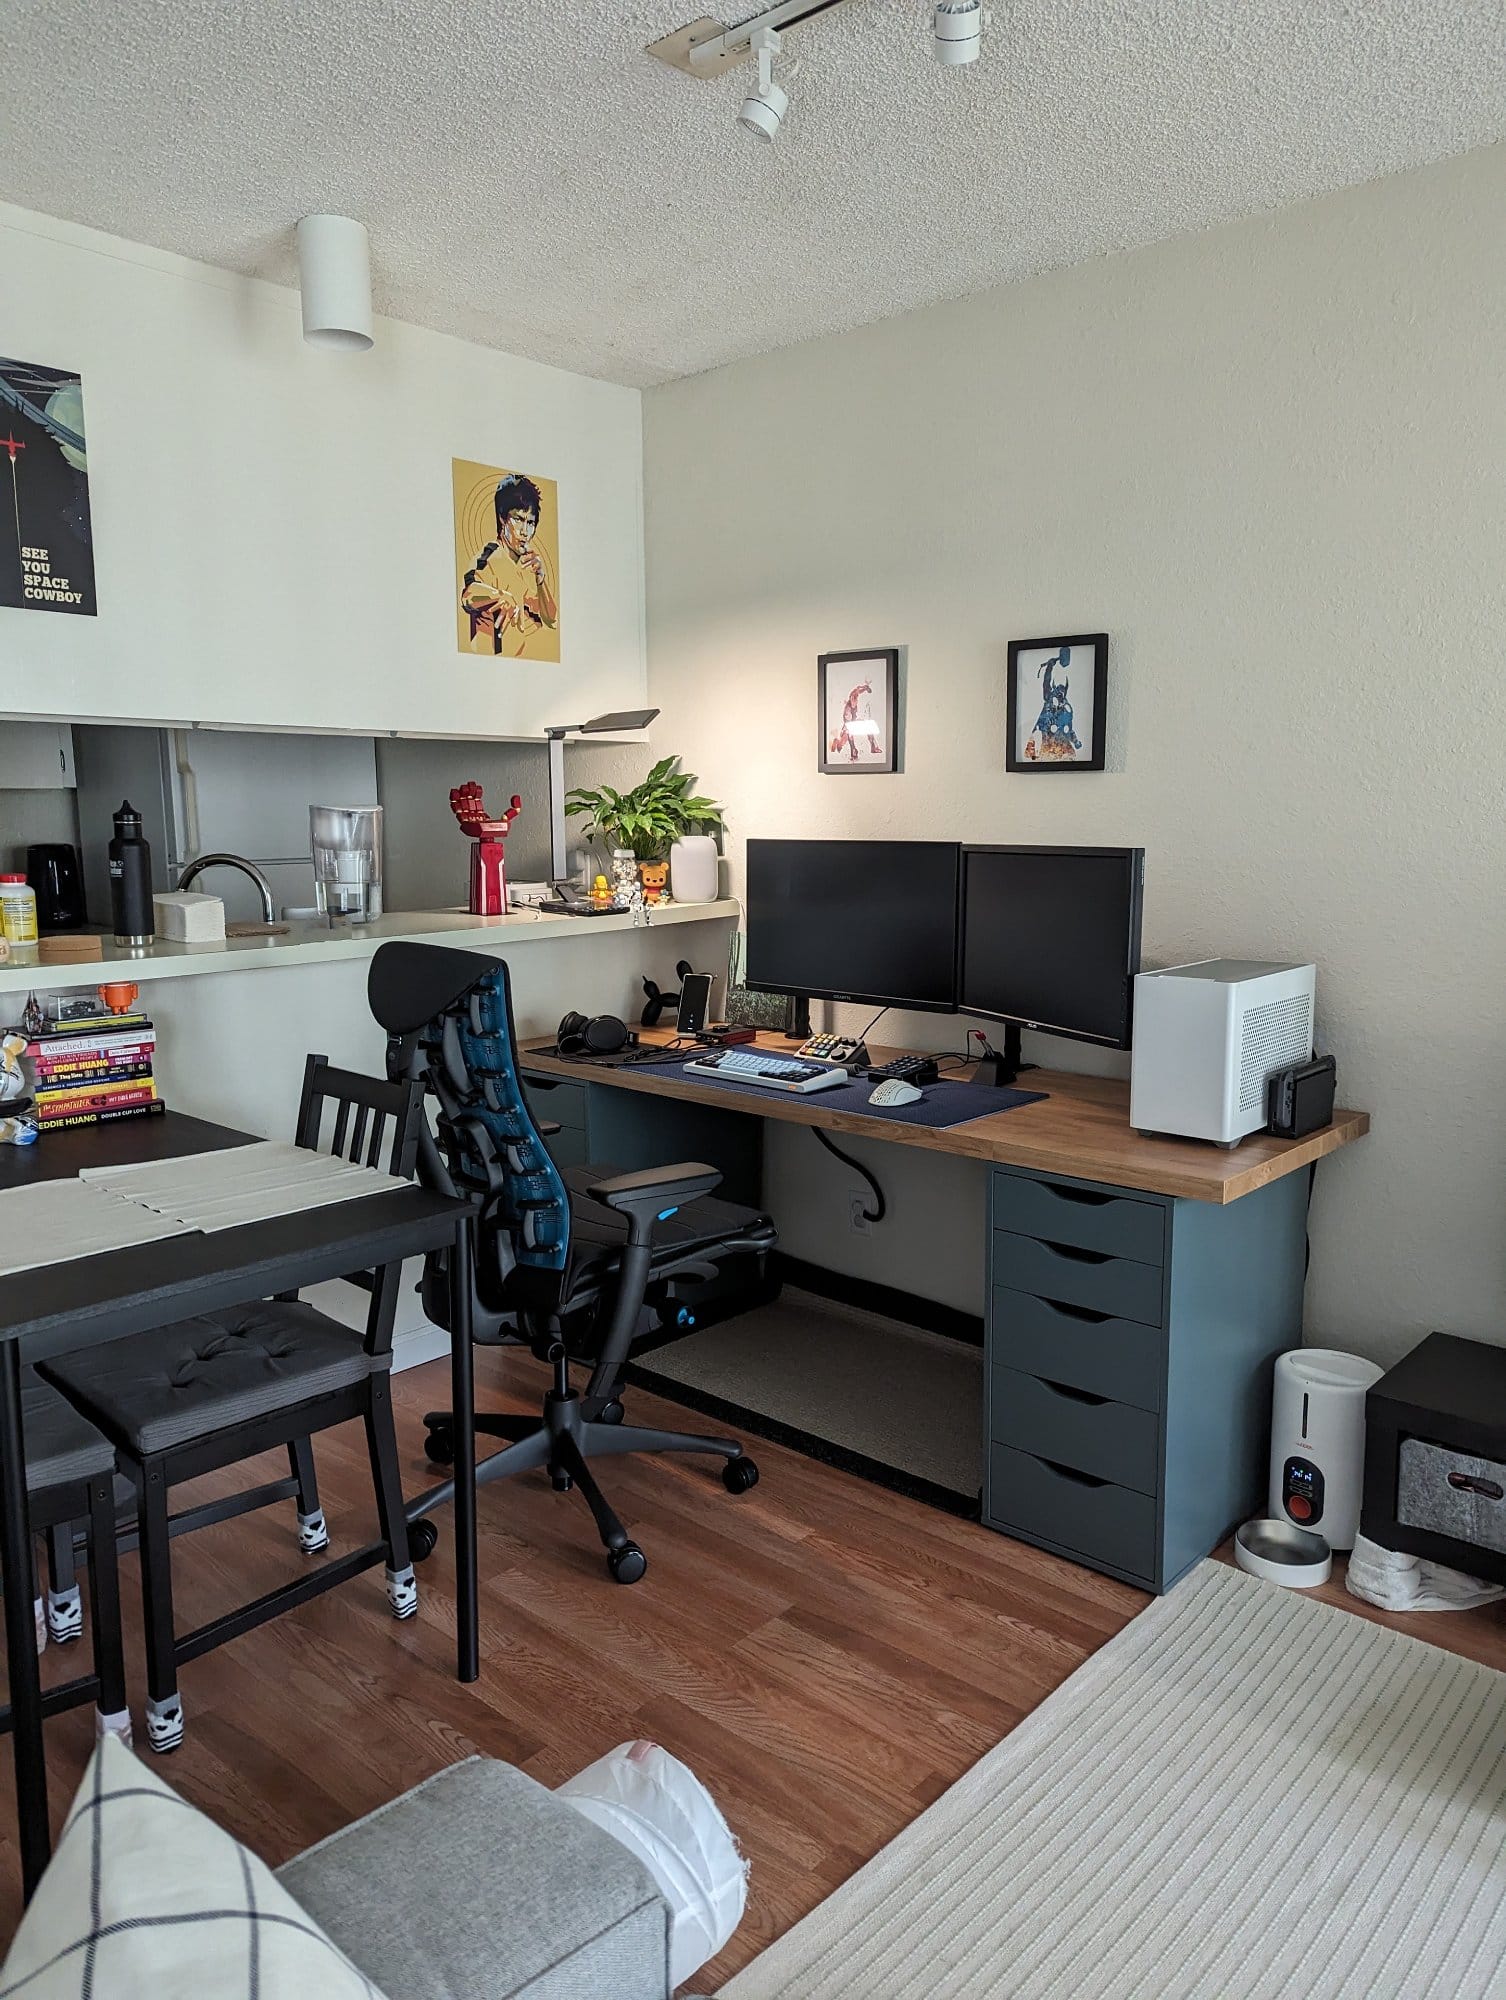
(1071, 1472)
(1086, 1196)
(1072, 1394)
(1075, 1255)
(1078, 1312)
(1468, 1482)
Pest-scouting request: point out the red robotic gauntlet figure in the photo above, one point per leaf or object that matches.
(488, 863)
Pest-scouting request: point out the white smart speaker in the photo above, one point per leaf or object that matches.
(1208, 1038)
(1318, 1441)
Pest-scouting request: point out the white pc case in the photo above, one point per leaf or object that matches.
(1207, 1039)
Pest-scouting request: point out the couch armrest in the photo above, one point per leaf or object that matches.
(480, 1885)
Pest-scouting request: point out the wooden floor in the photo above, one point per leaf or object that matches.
(827, 1656)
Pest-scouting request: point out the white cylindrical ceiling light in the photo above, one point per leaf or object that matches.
(958, 31)
(334, 276)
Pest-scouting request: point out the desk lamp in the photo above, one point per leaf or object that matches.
(599, 725)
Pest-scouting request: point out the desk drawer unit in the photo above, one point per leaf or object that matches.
(556, 1101)
(1107, 1526)
(1072, 1427)
(1130, 1339)
(1123, 1359)
(1073, 1275)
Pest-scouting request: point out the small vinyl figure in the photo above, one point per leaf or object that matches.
(655, 878)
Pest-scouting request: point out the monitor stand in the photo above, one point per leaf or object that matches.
(797, 1019)
(1001, 1066)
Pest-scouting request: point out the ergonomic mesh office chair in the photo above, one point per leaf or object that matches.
(564, 1261)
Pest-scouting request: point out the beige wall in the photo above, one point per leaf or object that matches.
(1271, 462)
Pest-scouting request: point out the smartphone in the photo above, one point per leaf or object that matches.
(695, 1003)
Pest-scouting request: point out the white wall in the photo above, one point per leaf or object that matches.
(272, 523)
(1271, 462)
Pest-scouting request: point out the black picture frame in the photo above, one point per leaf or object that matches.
(1026, 657)
(838, 753)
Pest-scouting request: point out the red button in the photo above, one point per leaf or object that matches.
(1298, 1508)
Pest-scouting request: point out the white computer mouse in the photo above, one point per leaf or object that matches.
(891, 1091)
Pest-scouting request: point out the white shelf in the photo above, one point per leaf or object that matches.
(313, 944)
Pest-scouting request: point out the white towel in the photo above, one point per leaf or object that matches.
(1400, 1582)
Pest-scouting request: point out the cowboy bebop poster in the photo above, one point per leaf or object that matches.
(46, 547)
(507, 562)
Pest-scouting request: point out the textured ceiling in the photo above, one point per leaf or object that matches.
(533, 181)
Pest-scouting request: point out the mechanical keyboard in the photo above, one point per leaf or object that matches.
(775, 1072)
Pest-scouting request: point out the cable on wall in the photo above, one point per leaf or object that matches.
(869, 1215)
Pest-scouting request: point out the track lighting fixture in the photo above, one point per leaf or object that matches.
(764, 108)
(707, 48)
(958, 30)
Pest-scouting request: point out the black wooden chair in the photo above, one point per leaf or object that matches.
(208, 1392)
(566, 1262)
(70, 1477)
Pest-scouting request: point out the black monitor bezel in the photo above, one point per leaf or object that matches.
(907, 1005)
(1135, 856)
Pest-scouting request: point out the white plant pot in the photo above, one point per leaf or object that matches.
(693, 869)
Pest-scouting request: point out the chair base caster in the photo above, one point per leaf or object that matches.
(164, 1724)
(439, 1444)
(65, 1616)
(313, 1533)
(739, 1475)
(611, 1412)
(423, 1539)
(402, 1592)
(627, 1564)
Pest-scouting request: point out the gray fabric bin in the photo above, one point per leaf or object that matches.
(1449, 1493)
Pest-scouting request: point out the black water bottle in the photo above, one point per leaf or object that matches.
(130, 879)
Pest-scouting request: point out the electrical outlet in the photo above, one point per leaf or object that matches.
(858, 1216)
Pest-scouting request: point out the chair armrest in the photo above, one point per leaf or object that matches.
(662, 1188)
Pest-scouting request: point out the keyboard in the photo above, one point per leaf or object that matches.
(774, 1072)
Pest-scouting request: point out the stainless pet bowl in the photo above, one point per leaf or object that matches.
(1280, 1553)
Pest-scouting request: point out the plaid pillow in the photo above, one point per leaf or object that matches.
(145, 1895)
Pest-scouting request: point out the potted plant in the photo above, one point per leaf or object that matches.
(663, 818)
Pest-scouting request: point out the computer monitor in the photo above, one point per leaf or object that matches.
(873, 921)
(1050, 939)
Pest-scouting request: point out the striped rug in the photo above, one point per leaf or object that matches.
(1244, 1795)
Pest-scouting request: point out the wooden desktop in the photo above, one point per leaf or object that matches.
(1081, 1127)
(1137, 1289)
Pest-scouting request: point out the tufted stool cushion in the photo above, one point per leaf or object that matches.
(62, 1448)
(155, 1390)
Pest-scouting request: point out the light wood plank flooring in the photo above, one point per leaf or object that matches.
(827, 1656)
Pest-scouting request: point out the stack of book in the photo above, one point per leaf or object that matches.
(88, 1072)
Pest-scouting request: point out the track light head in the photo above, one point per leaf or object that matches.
(764, 108)
(958, 30)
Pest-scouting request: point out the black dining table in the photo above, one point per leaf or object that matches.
(61, 1307)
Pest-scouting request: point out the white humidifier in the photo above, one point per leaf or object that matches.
(1318, 1441)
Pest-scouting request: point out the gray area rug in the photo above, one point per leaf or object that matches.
(1244, 1796)
(895, 1393)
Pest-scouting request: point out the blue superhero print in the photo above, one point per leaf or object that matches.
(1053, 726)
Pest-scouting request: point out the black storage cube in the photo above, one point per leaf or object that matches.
(1435, 1456)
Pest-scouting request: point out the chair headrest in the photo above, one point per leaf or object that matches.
(409, 984)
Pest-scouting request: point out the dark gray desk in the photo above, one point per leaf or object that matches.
(61, 1307)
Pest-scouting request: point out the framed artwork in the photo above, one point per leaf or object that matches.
(46, 541)
(507, 562)
(1057, 703)
(857, 711)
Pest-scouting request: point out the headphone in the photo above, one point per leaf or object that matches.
(601, 1035)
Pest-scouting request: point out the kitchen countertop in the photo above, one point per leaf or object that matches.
(314, 943)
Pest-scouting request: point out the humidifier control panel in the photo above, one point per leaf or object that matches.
(1302, 1492)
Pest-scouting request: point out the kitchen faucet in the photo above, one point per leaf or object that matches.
(196, 868)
